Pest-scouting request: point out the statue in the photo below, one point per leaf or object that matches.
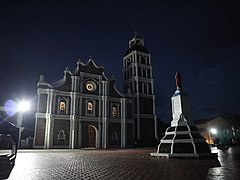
(178, 80)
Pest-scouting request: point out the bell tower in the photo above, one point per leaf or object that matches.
(138, 85)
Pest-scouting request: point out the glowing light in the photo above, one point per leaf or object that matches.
(213, 131)
(23, 106)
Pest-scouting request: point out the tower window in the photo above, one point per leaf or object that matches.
(140, 87)
(128, 62)
(148, 73)
(148, 62)
(145, 88)
(135, 86)
(143, 61)
(138, 42)
(150, 89)
(144, 72)
(139, 72)
(90, 107)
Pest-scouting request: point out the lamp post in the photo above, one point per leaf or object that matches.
(22, 107)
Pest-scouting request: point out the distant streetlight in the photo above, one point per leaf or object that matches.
(213, 131)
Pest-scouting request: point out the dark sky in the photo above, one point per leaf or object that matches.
(199, 38)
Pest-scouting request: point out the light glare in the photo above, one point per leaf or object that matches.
(10, 107)
(23, 106)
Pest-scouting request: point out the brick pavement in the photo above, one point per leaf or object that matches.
(135, 164)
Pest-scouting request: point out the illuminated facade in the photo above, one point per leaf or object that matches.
(84, 109)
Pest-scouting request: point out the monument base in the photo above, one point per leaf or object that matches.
(183, 142)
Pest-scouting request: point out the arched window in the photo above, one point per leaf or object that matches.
(114, 135)
(62, 106)
(114, 111)
(61, 135)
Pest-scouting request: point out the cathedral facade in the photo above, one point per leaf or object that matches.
(85, 110)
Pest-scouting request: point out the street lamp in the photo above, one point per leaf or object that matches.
(212, 133)
(11, 107)
(22, 107)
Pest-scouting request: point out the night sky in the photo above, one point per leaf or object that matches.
(201, 39)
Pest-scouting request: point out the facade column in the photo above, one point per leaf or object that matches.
(48, 133)
(38, 99)
(99, 134)
(155, 119)
(100, 121)
(104, 116)
(138, 119)
(123, 122)
(72, 132)
(79, 135)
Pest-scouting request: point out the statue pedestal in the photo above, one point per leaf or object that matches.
(182, 138)
(183, 141)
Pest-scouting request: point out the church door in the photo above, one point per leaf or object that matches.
(91, 136)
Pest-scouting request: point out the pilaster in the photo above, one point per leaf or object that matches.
(48, 134)
(123, 123)
(104, 116)
(72, 131)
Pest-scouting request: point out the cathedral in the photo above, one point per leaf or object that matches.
(85, 109)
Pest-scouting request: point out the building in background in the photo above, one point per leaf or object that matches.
(224, 129)
(84, 109)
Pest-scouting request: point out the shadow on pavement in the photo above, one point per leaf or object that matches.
(184, 169)
(9, 135)
(6, 165)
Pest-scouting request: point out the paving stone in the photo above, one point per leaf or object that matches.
(118, 164)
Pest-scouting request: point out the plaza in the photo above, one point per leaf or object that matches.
(121, 164)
